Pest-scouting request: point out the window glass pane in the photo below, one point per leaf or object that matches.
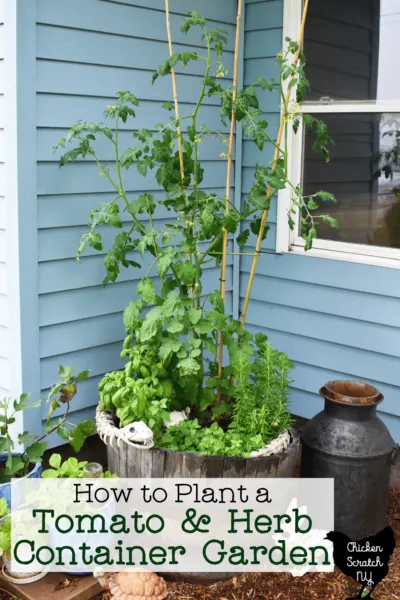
(363, 174)
(351, 48)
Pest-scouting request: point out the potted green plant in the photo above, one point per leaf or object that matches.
(178, 332)
(21, 523)
(71, 468)
(27, 463)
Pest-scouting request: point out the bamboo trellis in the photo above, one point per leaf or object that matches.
(176, 101)
(276, 156)
(264, 217)
(229, 175)
(175, 91)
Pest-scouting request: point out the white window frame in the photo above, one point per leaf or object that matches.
(290, 241)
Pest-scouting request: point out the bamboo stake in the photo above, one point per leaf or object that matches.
(175, 91)
(176, 103)
(276, 156)
(229, 175)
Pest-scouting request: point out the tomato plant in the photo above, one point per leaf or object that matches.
(174, 323)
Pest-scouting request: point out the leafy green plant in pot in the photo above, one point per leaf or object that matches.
(27, 463)
(176, 326)
(69, 469)
(22, 524)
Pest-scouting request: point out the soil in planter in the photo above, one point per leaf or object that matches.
(30, 469)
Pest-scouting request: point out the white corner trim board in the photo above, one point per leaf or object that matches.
(9, 10)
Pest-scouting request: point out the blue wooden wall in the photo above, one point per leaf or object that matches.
(334, 319)
(87, 50)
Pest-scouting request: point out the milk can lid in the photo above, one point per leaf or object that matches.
(355, 393)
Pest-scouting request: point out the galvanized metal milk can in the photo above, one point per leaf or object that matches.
(349, 442)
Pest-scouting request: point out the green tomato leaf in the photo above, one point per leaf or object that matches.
(25, 438)
(171, 303)
(131, 314)
(221, 409)
(16, 465)
(189, 366)
(329, 221)
(325, 196)
(149, 326)
(175, 326)
(35, 451)
(65, 373)
(83, 375)
(163, 264)
(78, 439)
(195, 315)
(195, 353)
(63, 433)
(168, 347)
(147, 290)
(207, 399)
(187, 272)
(203, 326)
(3, 444)
(23, 402)
(242, 238)
(86, 427)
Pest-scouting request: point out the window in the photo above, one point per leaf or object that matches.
(351, 48)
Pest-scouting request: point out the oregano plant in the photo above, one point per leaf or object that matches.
(173, 322)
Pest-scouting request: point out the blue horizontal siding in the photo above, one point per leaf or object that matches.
(341, 275)
(87, 50)
(336, 320)
(263, 41)
(346, 361)
(58, 111)
(57, 77)
(368, 308)
(83, 177)
(361, 335)
(90, 332)
(54, 210)
(308, 405)
(101, 359)
(255, 17)
(210, 149)
(133, 20)
(87, 302)
(61, 275)
(105, 49)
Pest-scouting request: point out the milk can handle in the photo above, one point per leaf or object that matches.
(395, 454)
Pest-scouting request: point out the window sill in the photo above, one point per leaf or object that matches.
(375, 261)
